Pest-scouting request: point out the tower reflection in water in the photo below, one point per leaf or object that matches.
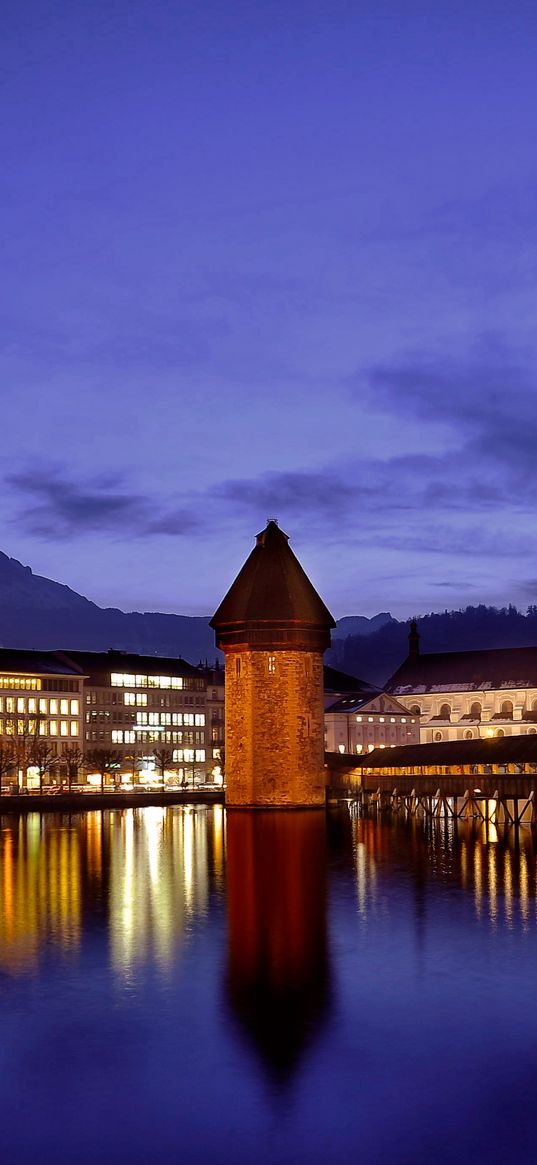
(278, 971)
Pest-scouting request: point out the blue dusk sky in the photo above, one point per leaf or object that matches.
(271, 259)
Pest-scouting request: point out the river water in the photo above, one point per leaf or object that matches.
(178, 986)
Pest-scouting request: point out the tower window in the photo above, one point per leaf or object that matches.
(238, 667)
(272, 665)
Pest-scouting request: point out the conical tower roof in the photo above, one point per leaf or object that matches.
(272, 602)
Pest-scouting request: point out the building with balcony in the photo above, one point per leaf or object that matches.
(466, 695)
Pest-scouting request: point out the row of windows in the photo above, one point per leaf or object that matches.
(10, 727)
(103, 696)
(187, 718)
(382, 719)
(60, 685)
(21, 683)
(506, 710)
(44, 707)
(126, 680)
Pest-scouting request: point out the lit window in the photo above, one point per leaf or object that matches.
(403, 719)
(64, 728)
(42, 728)
(165, 681)
(21, 726)
(200, 754)
(53, 707)
(392, 719)
(129, 736)
(358, 719)
(10, 704)
(74, 727)
(43, 706)
(32, 706)
(53, 727)
(177, 681)
(129, 698)
(141, 700)
(141, 681)
(381, 719)
(21, 704)
(272, 665)
(370, 718)
(178, 755)
(117, 736)
(75, 707)
(189, 754)
(200, 719)
(64, 707)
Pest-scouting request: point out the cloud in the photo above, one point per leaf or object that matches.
(55, 507)
(487, 400)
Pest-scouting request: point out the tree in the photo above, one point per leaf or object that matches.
(74, 760)
(7, 760)
(43, 756)
(105, 760)
(163, 760)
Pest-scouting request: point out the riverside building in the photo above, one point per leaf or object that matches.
(364, 718)
(467, 695)
(41, 702)
(139, 704)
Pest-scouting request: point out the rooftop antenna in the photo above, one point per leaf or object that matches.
(275, 520)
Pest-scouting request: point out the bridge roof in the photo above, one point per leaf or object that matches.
(517, 749)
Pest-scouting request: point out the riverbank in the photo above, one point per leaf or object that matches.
(82, 802)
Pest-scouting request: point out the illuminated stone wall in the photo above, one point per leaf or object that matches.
(274, 728)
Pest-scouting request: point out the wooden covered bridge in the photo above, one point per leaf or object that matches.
(491, 778)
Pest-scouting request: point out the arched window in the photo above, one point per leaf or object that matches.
(416, 710)
(500, 732)
(468, 735)
(534, 706)
(438, 735)
(532, 731)
(445, 712)
(507, 710)
(475, 710)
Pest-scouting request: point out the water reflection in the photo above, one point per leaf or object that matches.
(144, 874)
(277, 930)
(495, 866)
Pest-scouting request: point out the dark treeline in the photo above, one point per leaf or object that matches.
(375, 657)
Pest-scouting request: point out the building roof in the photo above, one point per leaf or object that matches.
(360, 700)
(21, 662)
(465, 671)
(98, 663)
(497, 750)
(339, 681)
(271, 590)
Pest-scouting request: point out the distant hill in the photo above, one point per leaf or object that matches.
(36, 612)
(360, 625)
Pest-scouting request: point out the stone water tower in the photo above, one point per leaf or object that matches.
(273, 628)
